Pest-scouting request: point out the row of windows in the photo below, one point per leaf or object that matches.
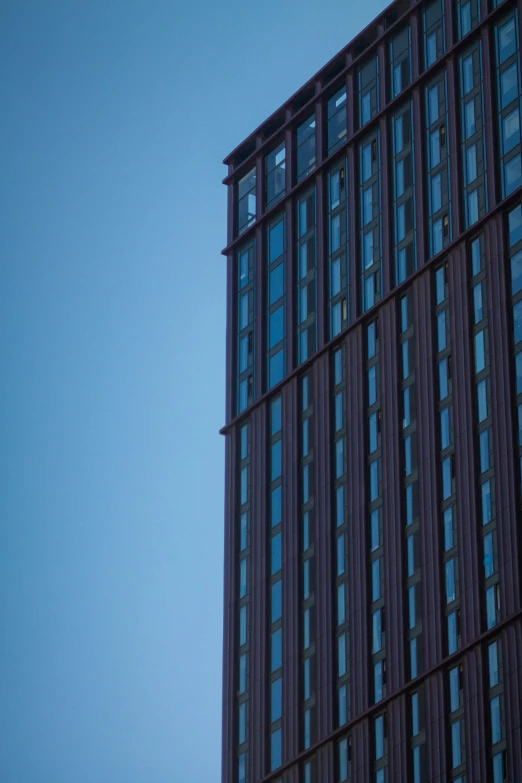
(374, 500)
(308, 659)
(367, 88)
(410, 482)
(341, 539)
(368, 214)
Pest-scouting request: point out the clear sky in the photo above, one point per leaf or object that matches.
(115, 117)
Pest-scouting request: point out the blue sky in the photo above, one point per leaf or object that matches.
(116, 115)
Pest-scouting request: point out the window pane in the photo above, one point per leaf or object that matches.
(275, 750)
(276, 601)
(276, 651)
(276, 553)
(276, 699)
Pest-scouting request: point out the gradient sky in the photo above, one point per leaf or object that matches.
(115, 117)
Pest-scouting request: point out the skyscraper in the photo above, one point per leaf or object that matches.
(373, 627)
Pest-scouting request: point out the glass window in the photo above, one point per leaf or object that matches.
(499, 773)
(511, 130)
(276, 699)
(435, 148)
(306, 148)
(340, 555)
(276, 283)
(339, 505)
(341, 655)
(367, 162)
(343, 715)
(507, 44)
(306, 629)
(377, 681)
(372, 385)
(513, 174)
(275, 750)
(469, 118)
(465, 18)
(443, 379)
(477, 303)
(493, 664)
(374, 480)
(480, 351)
(410, 545)
(336, 110)
(415, 723)
(246, 200)
(276, 553)
(379, 737)
(243, 529)
(341, 604)
(242, 673)
(376, 579)
(440, 285)
(242, 625)
(516, 273)
(275, 165)
(436, 194)
(343, 756)
(276, 506)
(376, 631)
(482, 400)
(486, 502)
(243, 570)
(471, 163)
(444, 428)
(448, 528)
(242, 723)
(413, 658)
(467, 74)
(508, 85)
(454, 684)
(276, 600)
(489, 567)
(450, 581)
(456, 749)
(447, 477)
(275, 415)
(241, 773)
(374, 529)
(431, 49)
(496, 731)
(491, 606)
(276, 368)
(276, 649)
(412, 610)
(433, 104)
(515, 225)
(452, 633)
(484, 450)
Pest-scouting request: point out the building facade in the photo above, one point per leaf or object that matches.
(373, 556)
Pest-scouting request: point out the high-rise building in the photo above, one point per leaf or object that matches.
(373, 557)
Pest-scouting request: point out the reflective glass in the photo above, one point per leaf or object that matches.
(511, 130)
(376, 579)
(376, 631)
(456, 750)
(509, 85)
(482, 400)
(276, 649)
(372, 385)
(276, 460)
(243, 568)
(379, 737)
(480, 351)
(506, 41)
(412, 607)
(341, 604)
(275, 750)
(413, 658)
(341, 655)
(478, 309)
(276, 326)
(436, 194)
(276, 692)
(489, 567)
(486, 502)
(242, 673)
(276, 506)
(516, 273)
(276, 284)
(374, 529)
(493, 665)
(276, 368)
(484, 450)
(377, 681)
(373, 428)
(242, 723)
(448, 528)
(446, 478)
(467, 74)
(374, 480)
(243, 528)
(515, 225)
(491, 606)
(275, 241)
(469, 118)
(454, 688)
(242, 625)
(244, 485)
(513, 174)
(435, 148)
(415, 728)
(452, 633)
(496, 731)
(443, 379)
(341, 555)
(276, 601)
(276, 553)
(444, 428)
(450, 581)
(433, 104)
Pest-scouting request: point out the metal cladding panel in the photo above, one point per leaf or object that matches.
(351, 92)
(321, 206)
(362, 750)
(291, 571)
(258, 702)
(386, 223)
(428, 461)
(391, 497)
(356, 508)
(465, 469)
(323, 549)
(260, 309)
(398, 730)
(229, 612)
(512, 653)
(416, 47)
(230, 340)
(436, 728)
(325, 763)
(475, 725)
(503, 417)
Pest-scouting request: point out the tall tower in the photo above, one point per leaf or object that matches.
(373, 559)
